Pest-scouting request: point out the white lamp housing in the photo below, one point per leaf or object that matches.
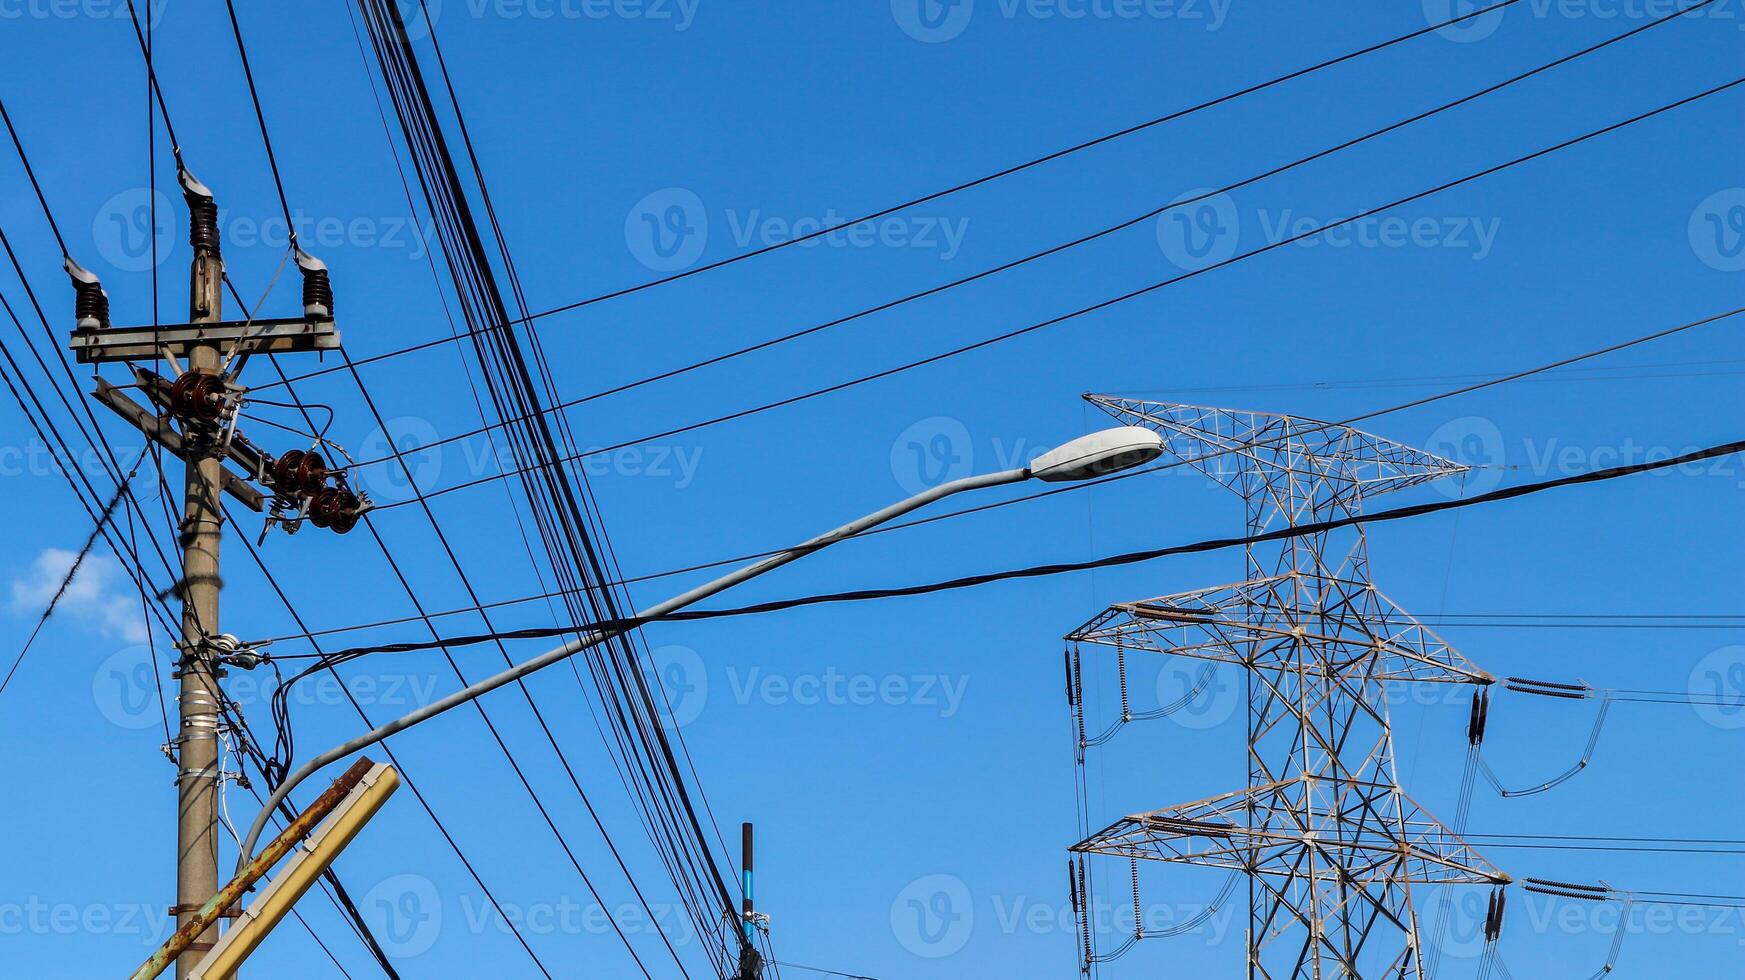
(1098, 454)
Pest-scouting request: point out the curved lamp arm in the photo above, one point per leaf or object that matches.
(1089, 456)
(595, 637)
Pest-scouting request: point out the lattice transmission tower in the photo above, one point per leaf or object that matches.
(1329, 844)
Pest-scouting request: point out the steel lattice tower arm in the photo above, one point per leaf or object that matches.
(1330, 843)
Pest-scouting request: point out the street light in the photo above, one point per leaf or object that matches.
(1086, 457)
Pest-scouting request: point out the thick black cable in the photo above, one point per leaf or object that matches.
(1484, 383)
(618, 765)
(1440, 621)
(473, 248)
(1174, 464)
(413, 104)
(1300, 530)
(1061, 568)
(464, 247)
(609, 563)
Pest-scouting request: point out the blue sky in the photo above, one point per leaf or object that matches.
(917, 830)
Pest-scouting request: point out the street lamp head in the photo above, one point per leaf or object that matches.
(1098, 454)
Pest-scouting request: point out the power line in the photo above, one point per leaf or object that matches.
(1484, 383)
(816, 969)
(1352, 420)
(618, 764)
(966, 185)
(565, 520)
(1093, 236)
(1501, 620)
(72, 572)
(406, 585)
(1061, 568)
(1124, 297)
(1038, 161)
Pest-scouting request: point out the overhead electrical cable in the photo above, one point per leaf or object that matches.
(563, 516)
(1109, 561)
(1093, 236)
(406, 585)
(1036, 162)
(72, 573)
(704, 925)
(1124, 297)
(595, 714)
(976, 182)
(1480, 385)
(336, 891)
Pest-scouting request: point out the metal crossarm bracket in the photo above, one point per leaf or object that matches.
(92, 345)
(160, 432)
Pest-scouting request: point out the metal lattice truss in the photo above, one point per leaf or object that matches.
(1387, 837)
(1219, 624)
(1235, 447)
(1330, 843)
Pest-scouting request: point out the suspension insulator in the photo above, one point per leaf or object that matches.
(90, 300)
(197, 395)
(317, 286)
(202, 214)
(1138, 910)
(1121, 669)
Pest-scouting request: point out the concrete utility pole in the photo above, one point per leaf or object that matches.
(194, 418)
(196, 745)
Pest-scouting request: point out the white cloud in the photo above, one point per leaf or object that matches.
(100, 598)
